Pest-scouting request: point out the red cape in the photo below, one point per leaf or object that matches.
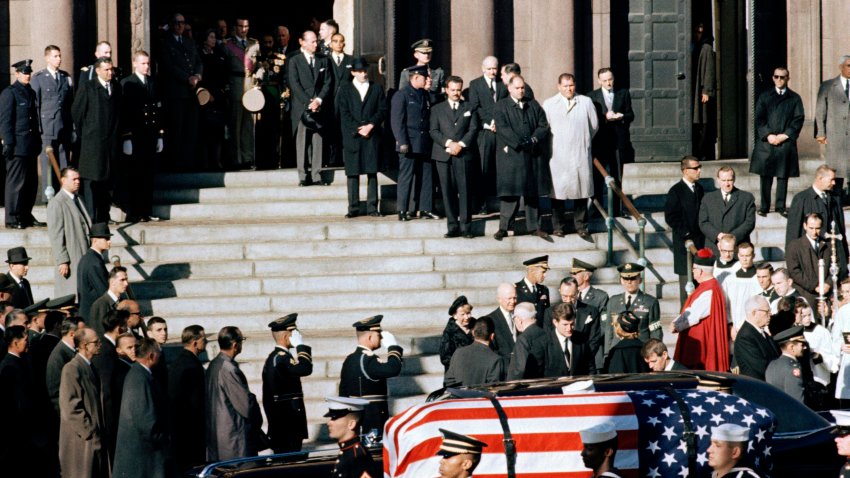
(705, 346)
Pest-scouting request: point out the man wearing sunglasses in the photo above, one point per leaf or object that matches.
(682, 213)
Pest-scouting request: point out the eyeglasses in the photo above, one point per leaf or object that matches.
(766, 311)
(728, 251)
(779, 77)
(694, 167)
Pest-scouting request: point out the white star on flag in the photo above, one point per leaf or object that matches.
(702, 458)
(653, 473)
(669, 458)
(698, 410)
(653, 447)
(666, 411)
(767, 451)
(648, 402)
(760, 435)
(684, 471)
(701, 431)
(653, 421)
(669, 433)
(730, 409)
(712, 400)
(748, 419)
(762, 412)
(716, 418)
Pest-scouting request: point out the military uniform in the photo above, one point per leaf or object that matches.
(269, 140)
(785, 373)
(410, 120)
(140, 118)
(54, 95)
(354, 461)
(644, 306)
(438, 77)
(241, 68)
(539, 295)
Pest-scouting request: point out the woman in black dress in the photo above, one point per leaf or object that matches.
(625, 357)
(458, 331)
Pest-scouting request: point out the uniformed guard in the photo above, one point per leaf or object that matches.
(461, 454)
(728, 448)
(283, 399)
(422, 51)
(67, 304)
(21, 144)
(785, 372)
(842, 441)
(644, 306)
(588, 294)
(531, 288)
(364, 375)
(600, 449)
(36, 313)
(344, 415)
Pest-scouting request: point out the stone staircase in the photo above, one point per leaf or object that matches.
(244, 248)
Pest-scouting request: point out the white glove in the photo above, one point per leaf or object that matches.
(159, 145)
(296, 339)
(388, 339)
(260, 73)
(128, 147)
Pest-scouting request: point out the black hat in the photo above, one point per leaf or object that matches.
(630, 270)
(62, 303)
(424, 45)
(418, 70)
(460, 301)
(369, 324)
(6, 283)
(579, 265)
(311, 120)
(17, 255)
(704, 258)
(359, 64)
(628, 322)
(787, 335)
(287, 322)
(36, 308)
(457, 444)
(542, 261)
(101, 230)
(23, 66)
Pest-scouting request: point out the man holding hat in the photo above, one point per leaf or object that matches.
(283, 398)
(21, 145)
(354, 461)
(19, 261)
(531, 288)
(362, 108)
(703, 342)
(600, 449)
(461, 454)
(92, 278)
(423, 51)
(642, 305)
(785, 372)
(363, 375)
(728, 447)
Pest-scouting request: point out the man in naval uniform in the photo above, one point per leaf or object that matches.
(728, 447)
(422, 51)
(363, 375)
(644, 306)
(599, 450)
(283, 398)
(531, 288)
(344, 415)
(785, 372)
(461, 454)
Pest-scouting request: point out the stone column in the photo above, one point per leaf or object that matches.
(473, 36)
(344, 15)
(601, 35)
(807, 64)
(107, 26)
(544, 44)
(52, 29)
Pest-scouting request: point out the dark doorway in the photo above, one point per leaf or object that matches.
(769, 38)
(417, 20)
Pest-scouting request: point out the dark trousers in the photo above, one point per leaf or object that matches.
(62, 152)
(485, 186)
(454, 185)
(613, 162)
(415, 183)
(21, 188)
(371, 193)
(781, 193)
(181, 132)
(508, 207)
(138, 183)
(97, 199)
(579, 214)
(308, 152)
(683, 294)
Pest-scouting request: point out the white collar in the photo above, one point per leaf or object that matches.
(52, 71)
(87, 361)
(505, 312)
(529, 284)
(69, 346)
(102, 83)
(145, 367)
(818, 191)
(107, 337)
(782, 91)
(669, 365)
(113, 296)
(561, 338)
(141, 77)
(69, 194)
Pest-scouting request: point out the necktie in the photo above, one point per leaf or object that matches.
(56, 77)
(493, 89)
(454, 106)
(25, 285)
(180, 40)
(628, 302)
(726, 197)
(817, 245)
(312, 64)
(847, 87)
(567, 356)
(511, 324)
(338, 60)
(109, 89)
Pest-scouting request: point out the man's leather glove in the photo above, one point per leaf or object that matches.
(8, 151)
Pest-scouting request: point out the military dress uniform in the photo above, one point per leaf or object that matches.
(785, 372)
(644, 306)
(437, 92)
(241, 124)
(141, 124)
(353, 460)
(539, 296)
(54, 94)
(283, 398)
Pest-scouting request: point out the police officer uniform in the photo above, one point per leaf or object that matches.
(438, 77)
(456, 444)
(54, 93)
(283, 398)
(537, 294)
(365, 376)
(19, 132)
(353, 461)
(785, 372)
(644, 306)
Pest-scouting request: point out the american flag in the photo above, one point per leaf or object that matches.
(546, 432)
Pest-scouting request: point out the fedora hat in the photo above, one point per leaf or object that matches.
(17, 255)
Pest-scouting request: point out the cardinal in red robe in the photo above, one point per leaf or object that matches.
(703, 342)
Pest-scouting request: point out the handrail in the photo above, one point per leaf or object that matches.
(691, 250)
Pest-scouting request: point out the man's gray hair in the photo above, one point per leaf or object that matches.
(843, 59)
(525, 310)
(753, 303)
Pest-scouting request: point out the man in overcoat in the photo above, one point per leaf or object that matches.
(68, 226)
(484, 92)
(824, 200)
(681, 211)
(779, 119)
(186, 393)
(92, 277)
(832, 120)
(727, 210)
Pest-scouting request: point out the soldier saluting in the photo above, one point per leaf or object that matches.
(283, 398)
(365, 376)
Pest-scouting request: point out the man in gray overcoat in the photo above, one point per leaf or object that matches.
(82, 430)
(832, 121)
(68, 226)
(779, 119)
(705, 95)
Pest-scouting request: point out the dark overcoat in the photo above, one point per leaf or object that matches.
(806, 202)
(452, 339)
(186, 391)
(529, 358)
(92, 281)
(736, 216)
(142, 429)
(521, 173)
(361, 155)
(473, 365)
(777, 114)
(625, 357)
(96, 116)
(753, 351)
(681, 211)
(19, 119)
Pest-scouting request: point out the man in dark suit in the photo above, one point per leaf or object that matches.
(61, 354)
(476, 363)
(340, 63)
(588, 317)
(92, 278)
(484, 92)
(410, 120)
(105, 363)
(54, 93)
(819, 198)
(140, 126)
(16, 401)
(45, 424)
(311, 84)
(21, 145)
(96, 113)
(362, 108)
(567, 352)
(21, 293)
(108, 302)
(727, 210)
(186, 394)
(531, 287)
(681, 211)
(142, 428)
(529, 355)
(754, 349)
(656, 356)
(454, 127)
(801, 258)
(503, 322)
(521, 171)
(612, 143)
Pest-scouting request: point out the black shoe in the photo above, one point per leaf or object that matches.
(376, 214)
(762, 213)
(585, 235)
(558, 233)
(325, 183)
(403, 216)
(783, 213)
(302, 183)
(542, 235)
(451, 234)
(500, 234)
(351, 215)
(15, 225)
(428, 215)
(468, 235)
(37, 223)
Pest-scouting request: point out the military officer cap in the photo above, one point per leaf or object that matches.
(628, 322)
(731, 433)
(457, 304)
(457, 444)
(36, 308)
(369, 324)
(704, 258)
(287, 322)
(17, 255)
(342, 406)
(579, 265)
(23, 66)
(424, 45)
(6, 283)
(630, 270)
(359, 64)
(418, 70)
(842, 421)
(542, 261)
(65, 302)
(791, 334)
(598, 434)
(101, 230)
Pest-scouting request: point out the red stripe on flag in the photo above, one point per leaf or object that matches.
(553, 411)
